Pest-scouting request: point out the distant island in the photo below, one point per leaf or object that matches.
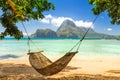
(68, 29)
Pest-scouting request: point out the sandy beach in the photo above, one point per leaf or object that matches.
(82, 68)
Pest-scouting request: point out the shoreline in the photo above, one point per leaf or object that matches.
(102, 67)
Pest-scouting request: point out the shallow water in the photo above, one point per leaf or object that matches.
(57, 48)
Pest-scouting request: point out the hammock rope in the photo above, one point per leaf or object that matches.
(28, 43)
(29, 40)
(80, 41)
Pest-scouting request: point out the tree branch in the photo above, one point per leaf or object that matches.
(12, 5)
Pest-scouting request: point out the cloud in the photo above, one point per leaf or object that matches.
(25, 34)
(49, 16)
(109, 29)
(46, 21)
(83, 23)
(57, 21)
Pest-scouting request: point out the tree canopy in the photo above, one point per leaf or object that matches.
(14, 11)
(112, 7)
(119, 37)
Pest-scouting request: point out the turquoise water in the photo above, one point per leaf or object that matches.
(60, 47)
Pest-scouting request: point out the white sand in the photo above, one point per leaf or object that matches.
(106, 66)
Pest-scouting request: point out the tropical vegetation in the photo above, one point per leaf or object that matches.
(112, 7)
(14, 11)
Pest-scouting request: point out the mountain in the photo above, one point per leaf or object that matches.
(47, 33)
(68, 29)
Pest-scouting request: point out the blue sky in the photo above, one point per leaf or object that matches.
(79, 11)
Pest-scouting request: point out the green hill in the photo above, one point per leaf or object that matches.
(47, 33)
(68, 29)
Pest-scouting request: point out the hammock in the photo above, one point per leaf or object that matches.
(45, 66)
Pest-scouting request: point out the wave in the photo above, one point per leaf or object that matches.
(7, 56)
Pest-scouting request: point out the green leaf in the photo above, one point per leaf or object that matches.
(112, 7)
(30, 9)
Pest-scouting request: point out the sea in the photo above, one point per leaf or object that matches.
(12, 48)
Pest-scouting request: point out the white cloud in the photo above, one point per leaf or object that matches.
(46, 21)
(57, 21)
(109, 29)
(83, 23)
(49, 16)
(25, 34)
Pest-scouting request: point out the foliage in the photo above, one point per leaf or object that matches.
(112, 7)
(14, 11)
(119, 37)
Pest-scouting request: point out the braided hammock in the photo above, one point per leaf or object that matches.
(46, 67)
